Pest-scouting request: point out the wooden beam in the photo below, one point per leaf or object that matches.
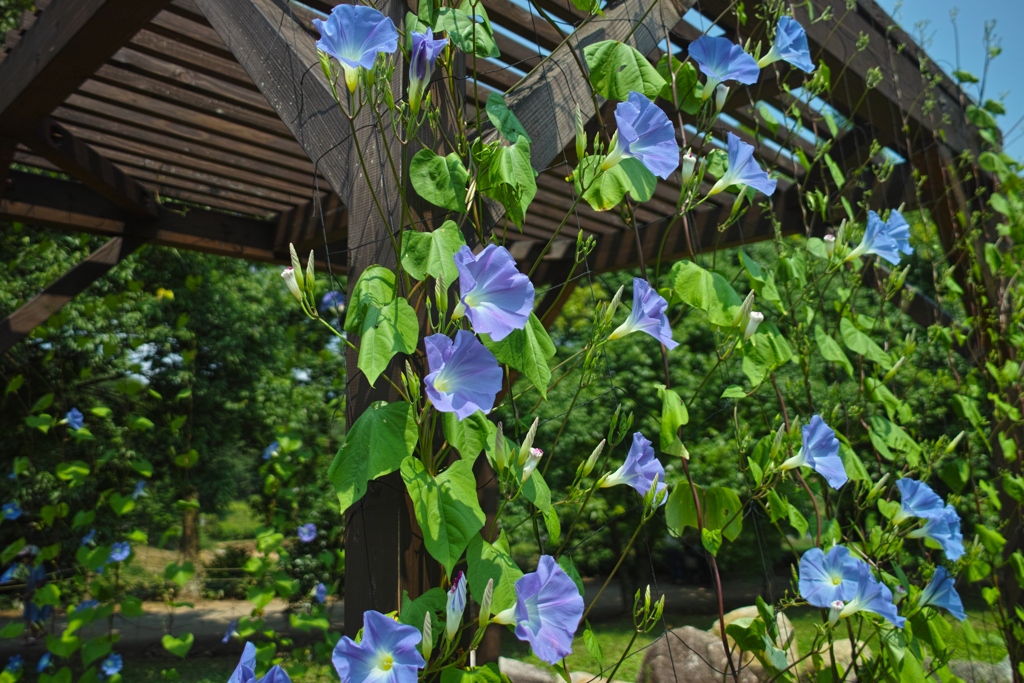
(33, 313)
(67, 43)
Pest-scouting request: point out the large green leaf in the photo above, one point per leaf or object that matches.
(414, 612)
(605, 191)
(885, 436)
(528, 351)
(260, 596)
(686, 84)
(440, 180)
(446, 508)
(504, 120)
(466, 34)
(375, 288)
(768, 350)
(97, 647)
(858, 342)
(62, 647)
(762, 281)
(121, 505)
(431, 253)
(723, 510)
(387, 331)
(469, 436)
(179, 573)
(177, 646)
(707, 291)
(537, 492)
(616, 69)
(510, 179)
(486, 561)
(673, 416)
(830, 349)
(383, 436)
(680, 510)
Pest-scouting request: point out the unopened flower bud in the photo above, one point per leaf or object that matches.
(898, 594)
(876, 490)
(581, 135)
(777, 442)
(689, 166)
(485, 602)
(834, 612)
(743, 316)
(427, 644)
(456, 605)
(892, 372)
(614, 304)
(500, 456)
(752, 323)
(588, 467)
(721, 93)
(953, 444)
(531, 463)
(830, 245)
(524, 450)
(289, 279)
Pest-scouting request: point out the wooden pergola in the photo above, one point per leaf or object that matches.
(219, 107)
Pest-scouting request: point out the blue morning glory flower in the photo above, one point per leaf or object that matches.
(11, 511)
(139, 489)
(885, 240)
(825, 578)
(355, 35)
(320, 593)
(645, 133)
(496, 297)
(640, 469)
(722, 60)
(820, 452)
(245, 672)
(648, 315)
(940, 592)
(547, 611)
(9, 574)
(425, 51)
(88, 537)
(945, 531)
(14, 663)
(743, 169)
(44, 662)
(333, 302)
(74, 418)
(387, 653)
(87, 604)
(790, 45)
(464, 376)
(120, 552)
(872, 596)
(918, 500)
(270, 450)
(276, 675)
(455, 605)
(307, 532)
(230, 632)
(111, 665)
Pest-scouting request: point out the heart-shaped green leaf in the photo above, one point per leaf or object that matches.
(121, 504)
(178, 647)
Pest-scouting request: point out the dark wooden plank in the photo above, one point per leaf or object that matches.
(34, 312)
(191, 58)
(62, 48)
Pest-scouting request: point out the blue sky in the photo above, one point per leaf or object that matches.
(932, 16)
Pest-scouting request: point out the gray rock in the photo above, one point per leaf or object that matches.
(587, 677)
(982, 672)
(521, 672)
(843, 651)
(687, 655)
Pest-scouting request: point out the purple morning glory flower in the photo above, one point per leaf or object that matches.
(320, 593)
(743, 169)
(644, 132)
(421, 64)
(825, 578)
(12, 511)
(270, 450)
(9, 574)
(885, 240)
(230, 632)
(872, 596)
(464, 376)
(548, 609)
(640, 468)
(44, 662)
(14, 663)
(120, 552)
(820, 452)
(387, 653)
(333, 302)
(790, 45)
(918, 500)
(88, 537)
(307, 532)
(355, 35)
(722, 60)
(139, 489)
(74, 418)
(648, 315)
(496, 297)
(455, 605)
(940, 592)
(245, 672)
(945, 531)
(111, 665)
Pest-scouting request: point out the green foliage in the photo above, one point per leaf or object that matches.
(616, 69)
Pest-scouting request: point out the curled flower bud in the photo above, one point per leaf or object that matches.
(289, 279)
(834, 612)
(500, 456)
(689, 166)
(588, 467)
(752, 323)
(953, 444)
(456, 605)
(524, 450)
(485, 603)
(898, 595)
(531, 463)
(427, 644)
(830, 245)
(721, 94)
(581, 135)
(743, 316)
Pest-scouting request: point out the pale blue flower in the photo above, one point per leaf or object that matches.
(940, 592)
(547, 611)
(646, 134)
(74, 418)
(464, 376)
(648, 315)
(321, 593)
(722, 60)
(425, 51)
(899, 231)
(87, 604)
(455, 605)
(111, 665)
(743, 169)
(640, 470)
(230, 632)
(944, 530)
(245, 672)
(140, 486)
(872, 596)
(10, 573)
(387, 653)
(12, 511)
(820, 452)
(918, 500)
(44, 662)
(333, 302)
(355, 35)
(270, 450)
(885, 240)
(120, 552)
(496, 297)
(825, 578)
(307, 532)
(790, 45)
(87, 539)
(14, 663)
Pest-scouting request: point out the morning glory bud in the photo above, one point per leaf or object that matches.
(752, 323)
(531, 463)
(428, 637)
(610, 313)
(485, 603)
(777, 443)
(500, 456)
(524, 450)
(953, 444)
(743, 316)
(425, 51)
(876, 490)
(834, 610)
(689, 166)
(456, 605)
(830, 245)
(892, 372)
(898, 595)
(588, 467)
(289, 279)
(721, 94)
(581, 135)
